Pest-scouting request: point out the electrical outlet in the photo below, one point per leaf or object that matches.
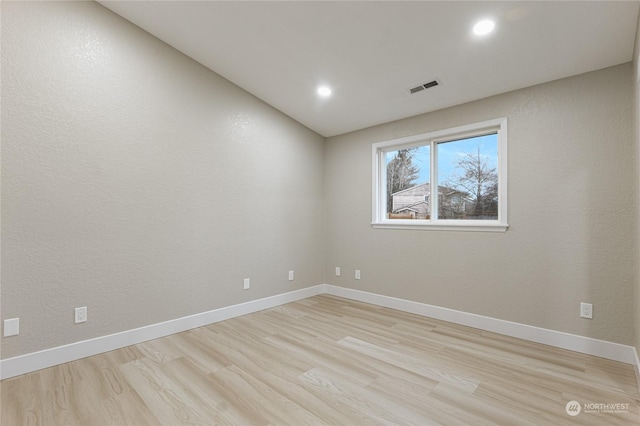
(357, 274)
(337, 271)
(586, 310)
(11, 327)
(247, 283)
(290, 275)
(81, 315)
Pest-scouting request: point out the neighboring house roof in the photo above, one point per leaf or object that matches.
(425, 189)
(419, 207)
(422, 189)
(404, 209)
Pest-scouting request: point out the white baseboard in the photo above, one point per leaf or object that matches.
(585, 345)
(638, 370)
(23, 364)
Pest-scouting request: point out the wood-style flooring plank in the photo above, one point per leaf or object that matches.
(326, 361)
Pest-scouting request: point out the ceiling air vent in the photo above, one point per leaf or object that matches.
(423, 86)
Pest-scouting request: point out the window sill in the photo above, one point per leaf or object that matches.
(441, 226)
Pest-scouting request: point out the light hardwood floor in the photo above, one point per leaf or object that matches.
(326, 361)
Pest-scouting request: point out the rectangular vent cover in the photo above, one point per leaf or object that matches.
(423, 86)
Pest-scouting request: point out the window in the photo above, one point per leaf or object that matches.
(454, 179)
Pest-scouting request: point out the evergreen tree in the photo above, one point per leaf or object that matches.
(401, 173)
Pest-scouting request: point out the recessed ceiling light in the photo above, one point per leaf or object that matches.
(324, 91)
(484, 27)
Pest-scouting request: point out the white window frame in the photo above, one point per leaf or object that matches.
(379, 216)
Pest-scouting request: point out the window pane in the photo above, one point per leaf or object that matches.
(408, 189)
(468, 178)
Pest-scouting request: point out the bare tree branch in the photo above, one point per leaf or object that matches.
(479, 181)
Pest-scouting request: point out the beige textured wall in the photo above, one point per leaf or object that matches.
(138, 183)
(141, 185)
(570, 213)
(636, 85)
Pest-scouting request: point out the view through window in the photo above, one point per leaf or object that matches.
(454, 179)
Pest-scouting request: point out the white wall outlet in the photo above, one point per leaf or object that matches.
(81, 315)
(357, 274)
(586, 310)
(247, 283)
(337, 271)
(290, 275)
(11, 327)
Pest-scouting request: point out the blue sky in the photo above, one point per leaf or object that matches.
(450, 152)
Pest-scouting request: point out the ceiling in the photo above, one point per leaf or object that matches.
(371, 53)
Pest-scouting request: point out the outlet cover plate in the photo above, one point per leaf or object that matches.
(81, 315)
(11, 327)
(586, 310)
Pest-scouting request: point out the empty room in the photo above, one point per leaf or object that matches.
(222, 213)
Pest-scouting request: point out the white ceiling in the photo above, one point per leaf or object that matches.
(371, 53)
